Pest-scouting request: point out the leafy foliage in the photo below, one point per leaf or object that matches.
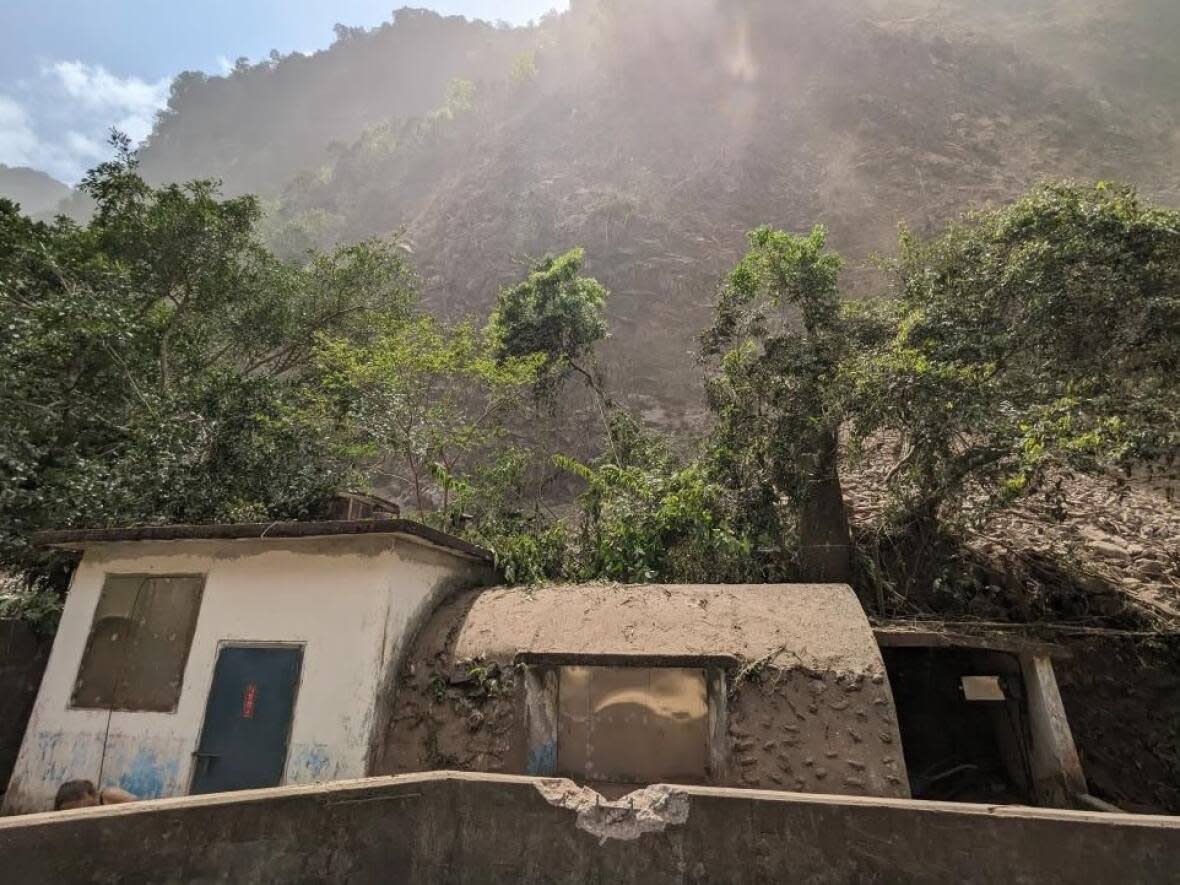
(497, 504)
(1038, 336)
(646, 517)
(779, 332)
(422, 402)
(162, 365)
(643, 515)
(555, 311)
(154, 362)
(524, 67)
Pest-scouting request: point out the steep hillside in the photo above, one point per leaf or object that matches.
(655, 134)
(35, 191)
(1121, 49)
(264, 123)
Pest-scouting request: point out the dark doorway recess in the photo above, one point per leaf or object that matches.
(957, 749)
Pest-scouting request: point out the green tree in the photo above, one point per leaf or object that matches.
(496, 503)
(647, 516)
(780, 336)
(1037, 336)
(155, 360)
(559, 315)
(556, 312)
(524, 67)
(422, 403)
(459, 99)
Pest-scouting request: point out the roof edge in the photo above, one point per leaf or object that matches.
(76, 539)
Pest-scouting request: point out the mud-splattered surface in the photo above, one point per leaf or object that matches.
(460, 701)
(456, 731)
(813, 626)
(808, 733)
(1093, 550)
(454, 714)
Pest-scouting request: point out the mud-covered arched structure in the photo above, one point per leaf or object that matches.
(775, 686)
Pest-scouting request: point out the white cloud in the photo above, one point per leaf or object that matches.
(85, 146)
(131, 103)
(99, 88)
(18, 141)
(58, 122)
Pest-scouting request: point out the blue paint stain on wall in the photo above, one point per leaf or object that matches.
(147, 777)
(312, 763)
(61, 756)
(316, 761)
(543, 760)
(52, 768)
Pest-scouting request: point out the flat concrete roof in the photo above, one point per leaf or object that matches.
(818, 627)
(78, 539)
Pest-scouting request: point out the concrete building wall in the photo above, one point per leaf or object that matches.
(345, 599)
(487, 828)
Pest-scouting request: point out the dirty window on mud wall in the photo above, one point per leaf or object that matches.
(139, 643)
(632, 725)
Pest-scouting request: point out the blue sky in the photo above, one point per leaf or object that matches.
(71, 69)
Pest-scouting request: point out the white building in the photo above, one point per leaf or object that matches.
(194, 659)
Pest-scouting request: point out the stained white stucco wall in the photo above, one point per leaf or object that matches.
(348, 599)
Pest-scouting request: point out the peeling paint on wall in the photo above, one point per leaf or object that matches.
(147, 766)
(61, 756)
(650, 810)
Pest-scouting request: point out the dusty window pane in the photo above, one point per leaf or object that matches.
(118, 596)
(632, 725)
(139, 643)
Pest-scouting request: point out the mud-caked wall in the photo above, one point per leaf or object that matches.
(798, 706)
(814, 733)
(465, 717)
(455, 713)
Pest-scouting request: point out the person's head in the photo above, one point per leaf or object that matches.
(75, 794)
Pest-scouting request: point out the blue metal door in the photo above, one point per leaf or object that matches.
(248, 719)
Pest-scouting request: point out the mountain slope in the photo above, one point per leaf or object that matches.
(35, 191)
(655, 134)
(264, 123)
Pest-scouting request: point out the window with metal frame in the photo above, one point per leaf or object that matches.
(139, 643)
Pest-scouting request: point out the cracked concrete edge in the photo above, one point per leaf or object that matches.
(650, 810)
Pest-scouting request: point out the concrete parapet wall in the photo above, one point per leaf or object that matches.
(444, 827)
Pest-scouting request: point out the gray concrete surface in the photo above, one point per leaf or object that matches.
(444, 827)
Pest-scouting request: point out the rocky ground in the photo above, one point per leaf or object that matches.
(1095, 569)
(1103, 551)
